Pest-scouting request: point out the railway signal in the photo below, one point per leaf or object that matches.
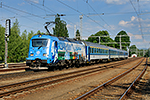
(7, 34)
(7, 30)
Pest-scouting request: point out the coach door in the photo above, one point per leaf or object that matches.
(54, 51)
(89, 53)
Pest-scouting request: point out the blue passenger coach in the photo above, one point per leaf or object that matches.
(97, 52)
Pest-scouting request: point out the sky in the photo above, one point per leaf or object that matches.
(132, 16)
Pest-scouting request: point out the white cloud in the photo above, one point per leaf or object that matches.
(133, 22)
(21, 4)
(69, 26)
(118, 2)
(123, 23)
(34, 1)
(133, 18)
(135, 36)
(138, 36)
(130, 34)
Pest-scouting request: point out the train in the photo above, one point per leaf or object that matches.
(46, 51)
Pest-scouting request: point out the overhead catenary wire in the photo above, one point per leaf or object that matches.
(49, 10)
(9, 8)
(23, 11)
(97, 13)
(52, 12)
(81, 13)
(22, 16)
(17, 14)
(138, 19)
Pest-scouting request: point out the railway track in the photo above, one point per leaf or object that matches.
(118, 87)
(28, 73)
(9, 89)
(15, 65)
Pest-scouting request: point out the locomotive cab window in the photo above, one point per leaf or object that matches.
(39, 42)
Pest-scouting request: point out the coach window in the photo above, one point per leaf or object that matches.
(104, 51)
(107, 51)
(101, 50)
(92, 50)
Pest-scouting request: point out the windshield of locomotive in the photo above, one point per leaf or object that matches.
(39, 42)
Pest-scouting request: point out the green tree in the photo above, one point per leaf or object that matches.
(77, 35)
(2, 43)
(39, 32)
(15, 44)
(125, 40)
(147, 54)
(132, 50)
(24, 46)
(60, 28)
(30, 35)
(104, 38)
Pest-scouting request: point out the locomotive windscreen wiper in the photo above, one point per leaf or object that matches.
(41, 45)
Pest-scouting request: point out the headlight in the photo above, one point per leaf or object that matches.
(44, 54)
(31, 54)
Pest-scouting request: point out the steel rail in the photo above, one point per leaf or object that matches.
(60, 75)
(13, 69)
(106, 83)
(13, 65)
(20, 74)
(24, 73)
(136, 80)
(49, 82)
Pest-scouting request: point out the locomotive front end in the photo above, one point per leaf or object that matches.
(39, 52)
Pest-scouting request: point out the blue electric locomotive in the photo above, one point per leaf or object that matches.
(48, 51)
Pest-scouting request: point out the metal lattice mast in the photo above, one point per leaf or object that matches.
(81, 16)
(75, 31)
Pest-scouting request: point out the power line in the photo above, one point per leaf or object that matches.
(22, 11)
(50, 10)
(138, 19)
(81, 13)
(97, 13)
(22, 16)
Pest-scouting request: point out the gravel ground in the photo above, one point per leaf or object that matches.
(142, 89)
(73, 88)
